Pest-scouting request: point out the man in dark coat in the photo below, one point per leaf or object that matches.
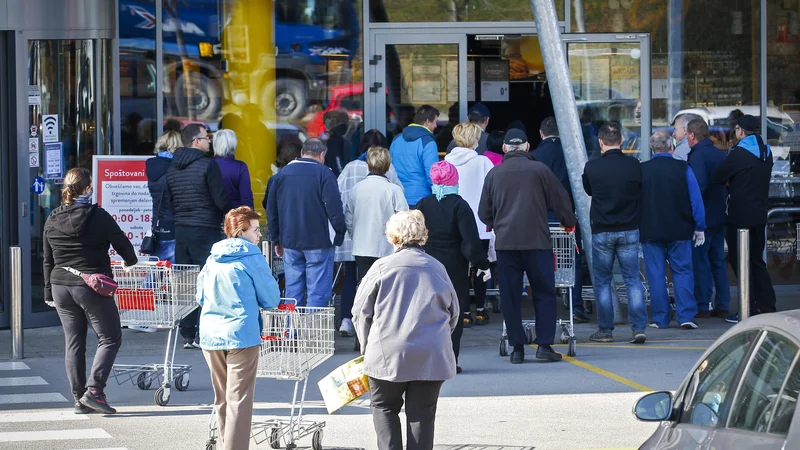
(199, 203)
(514, 202)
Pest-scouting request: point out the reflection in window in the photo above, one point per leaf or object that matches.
(786, 404)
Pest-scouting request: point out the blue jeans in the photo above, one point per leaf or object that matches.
(679, 255)
(710, 270)
(309, 272)
(165, 251)
(624, 245)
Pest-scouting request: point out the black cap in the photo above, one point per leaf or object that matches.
(748, 123)
(479, 111)
(515, 136)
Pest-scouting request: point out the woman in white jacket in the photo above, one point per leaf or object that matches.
(472, 170)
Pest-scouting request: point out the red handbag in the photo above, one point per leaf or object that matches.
(98, 282)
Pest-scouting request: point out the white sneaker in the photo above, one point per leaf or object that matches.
(346, 329)
(689, 326)
(143, 329)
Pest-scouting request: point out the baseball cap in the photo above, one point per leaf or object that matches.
(748, 123)
(479, 111)
(515, 136)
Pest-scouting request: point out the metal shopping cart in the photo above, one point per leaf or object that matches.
(155, 294)
(564, 250)
(294, 341)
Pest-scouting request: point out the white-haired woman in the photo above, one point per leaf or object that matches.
(235, 175)
(405, 310)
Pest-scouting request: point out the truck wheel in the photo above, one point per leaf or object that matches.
(205, 96)
(291, 98)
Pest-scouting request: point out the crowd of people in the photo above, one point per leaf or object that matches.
(414, 235)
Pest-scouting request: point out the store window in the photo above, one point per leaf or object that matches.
(455, 10)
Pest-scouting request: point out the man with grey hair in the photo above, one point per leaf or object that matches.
(672, 217)
(681, 134)
(303, 204)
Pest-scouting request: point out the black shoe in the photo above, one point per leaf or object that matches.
(481, 317)
(467, 318)
(97, 401)
(546, 353)
(517, 357)
(601, 336)
(702, 315)
(718, 313)
(638, 337)
(580, 318)
(80, 408)
(458, 369)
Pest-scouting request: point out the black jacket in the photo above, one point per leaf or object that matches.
(551, 153)
(452, 233)
(340, 150)
(614, 181)
(748, 177)
(665, 206)
(704, 159)
(196, 191)
(163, 218)
(78, 236)
(515, 199)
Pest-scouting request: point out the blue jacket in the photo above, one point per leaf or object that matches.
(413, 154)
(704, 159)
(303, 200)
(235, 281)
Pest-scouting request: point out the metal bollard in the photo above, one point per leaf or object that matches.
(268, 251)
(744, 273)
(16, 304)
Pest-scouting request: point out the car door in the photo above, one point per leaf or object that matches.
(764, 404)
(706, 398)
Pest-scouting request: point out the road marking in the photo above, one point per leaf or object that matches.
(44, 397)
(120, 448)
(13, 365)
(645, 346)
(53, 416)
(22, 381)
(54, 435)
(607, 374)
(681, 340)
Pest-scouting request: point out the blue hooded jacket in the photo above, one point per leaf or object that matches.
(235, 281)
(704, 159)
(413, 154)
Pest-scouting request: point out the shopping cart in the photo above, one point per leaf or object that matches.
(155, 294)
(564, 250)
(294, 341)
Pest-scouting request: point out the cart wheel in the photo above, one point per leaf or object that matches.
(274, 438)
(181, 384)
(211, 444)
(161, 397)
(571, 348)
(316, 440)
(529, 336)
(143, 381)
(503, 348)
(564, 337)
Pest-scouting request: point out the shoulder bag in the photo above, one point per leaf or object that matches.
(149, 242)
(98, 282)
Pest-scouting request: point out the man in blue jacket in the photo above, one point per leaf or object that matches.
(671, 217)
(414, 152)
(303, 204)
(709, 258)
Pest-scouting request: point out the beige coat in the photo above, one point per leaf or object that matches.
(404, 312)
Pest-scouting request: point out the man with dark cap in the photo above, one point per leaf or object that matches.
(479, 115)
(747, 171)
(523, 242)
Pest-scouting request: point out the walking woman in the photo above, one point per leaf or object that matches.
(453, 236)
(235, 175)
(404, 312)
(235, 281)
(77, 236)
(163, 220)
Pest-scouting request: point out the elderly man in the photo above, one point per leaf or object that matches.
(672, 216)
(303, 202)
(514, 202)
(681, 133)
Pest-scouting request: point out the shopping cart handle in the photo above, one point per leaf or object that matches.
(569, 229)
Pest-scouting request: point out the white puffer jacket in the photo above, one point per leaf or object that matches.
(472, 169)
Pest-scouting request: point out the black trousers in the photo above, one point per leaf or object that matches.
(78, 307)
(363, 264)
(538, 264)
(421, 398)
(478, 284)
(762, 294)
(193, 246)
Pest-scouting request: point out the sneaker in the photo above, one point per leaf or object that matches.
(517, 357)
(655, 325)
(196, 341)
(80, 408)
(188, 345)
(601, 336)
(702, 315)
(481, 317)
(689, 326)
(458, 369)
(546, 353)
(718, 313)
(732, 318)
(580, 318)
(346, 329)
(467, 320)
(97, 401)
(638, 337)
(143, 329)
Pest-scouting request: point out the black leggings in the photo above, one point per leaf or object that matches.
(478, 285)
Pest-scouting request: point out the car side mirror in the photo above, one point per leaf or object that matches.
(654, 407)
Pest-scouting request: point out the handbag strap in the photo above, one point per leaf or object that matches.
(73, 271)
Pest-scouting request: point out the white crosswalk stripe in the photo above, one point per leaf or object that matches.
(22, 381)
(13, 365)
(48, 416)
(42, 397)
(54, 435)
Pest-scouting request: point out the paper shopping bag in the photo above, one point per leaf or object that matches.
(345, 384)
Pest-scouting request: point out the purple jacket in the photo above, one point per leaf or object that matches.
(236, 179)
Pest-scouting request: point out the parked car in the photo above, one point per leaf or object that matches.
(779, 124)
(632, 144)
(741, 394)
(349, 97)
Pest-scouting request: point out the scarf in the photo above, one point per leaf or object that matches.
(85, 199)
(167, 155)
(441, 191)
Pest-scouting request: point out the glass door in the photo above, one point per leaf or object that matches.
(611, 80)
(409, 70)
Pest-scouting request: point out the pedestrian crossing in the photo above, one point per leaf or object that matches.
(56, 427)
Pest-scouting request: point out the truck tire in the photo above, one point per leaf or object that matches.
(205, 101)
(291, 98)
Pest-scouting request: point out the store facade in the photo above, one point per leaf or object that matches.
(117, 73)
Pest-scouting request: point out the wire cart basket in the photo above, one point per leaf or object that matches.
(564, 251)
(294, 341)
(155, 294)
